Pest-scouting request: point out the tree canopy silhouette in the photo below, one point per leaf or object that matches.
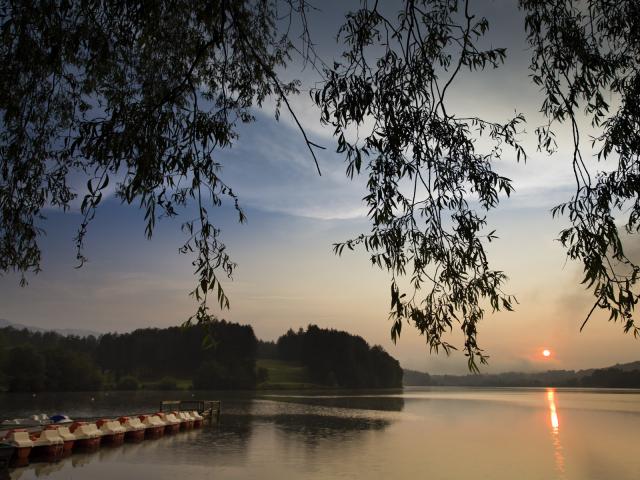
(142, 95)
(586, 59)
(145, 95)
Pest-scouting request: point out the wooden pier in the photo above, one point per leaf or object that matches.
(209, 409)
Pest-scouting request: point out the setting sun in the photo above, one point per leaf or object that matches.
(546, 353)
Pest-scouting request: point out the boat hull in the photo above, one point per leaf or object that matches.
(47, 453)
(172, 428)
(155, 432)
(186, 425)
(113, 440)
(88, 444)
(21, 457)
(67, 448)
(134, 435)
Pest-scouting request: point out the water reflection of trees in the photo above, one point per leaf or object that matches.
(360, 402)
(325, 426)
(324, 435)
(330, 421)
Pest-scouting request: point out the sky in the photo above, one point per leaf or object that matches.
(288, 276)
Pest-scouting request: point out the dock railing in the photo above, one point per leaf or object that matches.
(210, 409)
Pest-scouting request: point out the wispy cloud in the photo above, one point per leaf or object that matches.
(270, 169)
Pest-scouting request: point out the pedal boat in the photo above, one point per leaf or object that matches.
(48, 446)
(88, 437)
(172, 422)
(19, 439)
(197, 419)
(68, 438)
(187, 420)
(154, 425)
(112, 431)
(134, 428)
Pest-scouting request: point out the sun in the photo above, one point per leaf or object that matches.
(546, 353)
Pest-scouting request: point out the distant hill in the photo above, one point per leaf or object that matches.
(415, 378)
(626, 375)
(62, 331)
(627, 367)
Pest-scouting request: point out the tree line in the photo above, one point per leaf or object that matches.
(618, 376)
(217, 354)
(340, 359)
(212, 355)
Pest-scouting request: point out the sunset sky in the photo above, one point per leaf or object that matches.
(288, 275)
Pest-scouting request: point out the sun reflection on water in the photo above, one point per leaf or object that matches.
(555, 430)
(555, 423)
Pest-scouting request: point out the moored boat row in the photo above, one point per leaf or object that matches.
(19, 446)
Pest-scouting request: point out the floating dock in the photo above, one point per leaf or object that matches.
(49, 442)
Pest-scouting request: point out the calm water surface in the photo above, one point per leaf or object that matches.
(432, 433)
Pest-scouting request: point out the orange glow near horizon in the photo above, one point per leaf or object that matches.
(546, 353)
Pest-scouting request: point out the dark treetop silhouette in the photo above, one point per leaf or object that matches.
(213, 355)
(147, 95)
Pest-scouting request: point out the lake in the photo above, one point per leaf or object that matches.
(434, 433)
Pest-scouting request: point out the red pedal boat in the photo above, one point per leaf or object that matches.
(87, 435)
(19, 438)
(48, 446)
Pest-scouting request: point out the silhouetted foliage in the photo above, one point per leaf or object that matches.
(49, 361)
(213, 355)
(38, 361)
(128, 382)
(267, 350)
(166, 383)
(180, 351)
(291, 346)
(69, 371)
(586, 60)
(25, 368)
(415, 378)
(209, 376)
(144, 96)
(612, 378)
(425, 168)
(340, 359)
(139, 96)
(213, 375)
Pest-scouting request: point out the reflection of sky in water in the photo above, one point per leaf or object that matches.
(429, 433)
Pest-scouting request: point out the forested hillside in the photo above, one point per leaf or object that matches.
(617, 376)
(214, 355)
(340, 359)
